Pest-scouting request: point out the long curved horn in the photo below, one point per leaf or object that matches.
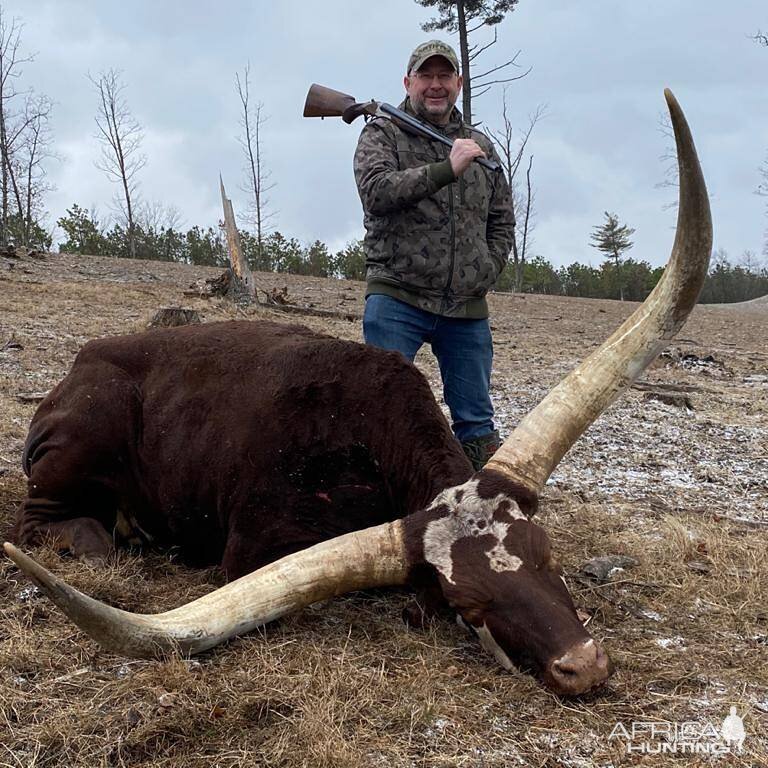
(358, 560)
(534, 449)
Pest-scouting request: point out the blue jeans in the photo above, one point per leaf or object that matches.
(463, 348)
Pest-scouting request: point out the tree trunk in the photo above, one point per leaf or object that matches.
(131, 233)
(526, 220)
(466, 90)
(127, 192)
(27, 217)
(5, 159)
(518, 278)
(257, 188)
(618, 275)
(241, 272)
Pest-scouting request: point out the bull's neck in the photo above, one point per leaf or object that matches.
(412, 442)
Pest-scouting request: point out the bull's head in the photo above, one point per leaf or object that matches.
(494, 565)
(497, 570)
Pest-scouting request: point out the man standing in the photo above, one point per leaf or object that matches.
(439, 228)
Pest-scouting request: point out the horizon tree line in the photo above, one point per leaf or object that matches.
(635, 279)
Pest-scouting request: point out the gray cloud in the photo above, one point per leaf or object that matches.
(599, 66)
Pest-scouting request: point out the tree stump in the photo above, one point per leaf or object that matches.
(242, 286)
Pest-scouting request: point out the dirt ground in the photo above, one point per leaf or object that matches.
(680, 488)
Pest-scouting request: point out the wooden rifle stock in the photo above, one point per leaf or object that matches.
(325, 102)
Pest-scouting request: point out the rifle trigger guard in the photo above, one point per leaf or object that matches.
(354, 111)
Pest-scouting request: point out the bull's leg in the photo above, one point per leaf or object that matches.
(68, 505)
(84, 537)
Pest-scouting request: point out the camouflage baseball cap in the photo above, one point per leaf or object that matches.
(432, 48)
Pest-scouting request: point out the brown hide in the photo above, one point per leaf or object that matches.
(236, 442)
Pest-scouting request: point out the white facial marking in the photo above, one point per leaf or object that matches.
(469, 516)
(490, 645)
(501, 560)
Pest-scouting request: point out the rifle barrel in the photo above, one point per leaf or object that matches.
(419, 127)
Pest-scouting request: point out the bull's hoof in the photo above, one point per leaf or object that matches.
(95, 561)
(83, 537)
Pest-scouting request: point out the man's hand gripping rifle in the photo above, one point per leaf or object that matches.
(325, 102)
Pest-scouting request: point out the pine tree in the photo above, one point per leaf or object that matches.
(612, 239)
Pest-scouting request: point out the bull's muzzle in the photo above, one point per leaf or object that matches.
(583, 667)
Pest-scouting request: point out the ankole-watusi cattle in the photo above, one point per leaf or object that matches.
(309, 467)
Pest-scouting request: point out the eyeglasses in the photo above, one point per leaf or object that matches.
(428, 77)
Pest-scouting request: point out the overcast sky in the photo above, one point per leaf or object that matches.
(599, 66)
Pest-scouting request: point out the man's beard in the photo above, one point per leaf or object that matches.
(435, 116)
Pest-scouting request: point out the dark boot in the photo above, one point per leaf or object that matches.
(480, 449)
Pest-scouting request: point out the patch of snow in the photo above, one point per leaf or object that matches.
(670, 642)
(437, 727)
(28, 593)
(123, 670)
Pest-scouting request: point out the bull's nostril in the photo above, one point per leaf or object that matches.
(564, 668)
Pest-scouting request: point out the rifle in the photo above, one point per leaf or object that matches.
(325, 102)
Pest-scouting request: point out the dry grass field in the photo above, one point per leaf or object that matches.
(682, 490)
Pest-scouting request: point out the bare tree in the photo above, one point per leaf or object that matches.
(29, 144)
(762, 189)
(467, 17)
(511, 150)
(525, 202)
(11, 61)
(257, 176)
(669, 159)
(750, 262)
(155, 216)
(25, 140)
(121, 136)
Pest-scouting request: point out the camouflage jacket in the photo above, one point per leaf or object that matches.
(431, 240)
